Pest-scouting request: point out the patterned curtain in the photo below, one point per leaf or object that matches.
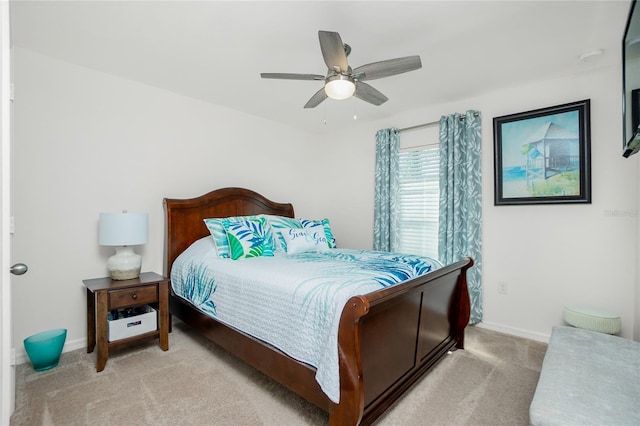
(387, 151)
(459, 233)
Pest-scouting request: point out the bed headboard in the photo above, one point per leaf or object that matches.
(184, 222)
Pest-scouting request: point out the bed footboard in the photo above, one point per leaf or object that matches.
(390, 338)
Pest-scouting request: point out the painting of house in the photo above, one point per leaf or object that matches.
(546, 164)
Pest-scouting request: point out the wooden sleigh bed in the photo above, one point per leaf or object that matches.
(387, 339)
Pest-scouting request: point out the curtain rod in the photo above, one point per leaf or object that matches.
(417, 126)
(431, 123)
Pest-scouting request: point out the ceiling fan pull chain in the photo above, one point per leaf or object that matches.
(324, 112)
(355, 114)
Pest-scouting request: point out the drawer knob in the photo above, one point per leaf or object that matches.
(134, 296)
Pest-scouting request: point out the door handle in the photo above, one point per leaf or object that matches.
(19, 269)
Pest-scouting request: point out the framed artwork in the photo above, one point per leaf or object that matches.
(543, 156)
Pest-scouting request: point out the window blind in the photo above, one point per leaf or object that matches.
(418, 201)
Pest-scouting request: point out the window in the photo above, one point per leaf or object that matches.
(418, 195)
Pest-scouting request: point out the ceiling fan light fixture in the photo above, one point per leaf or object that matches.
(340, 87)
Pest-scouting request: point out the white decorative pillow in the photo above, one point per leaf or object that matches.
(246, 239)
(277, 224)
(331, 241)
(304, 239)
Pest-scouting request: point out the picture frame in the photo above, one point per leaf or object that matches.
(543, 156)
(635, 109)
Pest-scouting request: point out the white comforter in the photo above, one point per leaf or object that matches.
(291, 301)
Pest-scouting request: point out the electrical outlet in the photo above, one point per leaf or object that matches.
(503, 287)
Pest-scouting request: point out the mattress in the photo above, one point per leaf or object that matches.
(291, 301)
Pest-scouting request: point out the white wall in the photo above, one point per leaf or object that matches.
(549, 255)
(552, 256)
(87, 142)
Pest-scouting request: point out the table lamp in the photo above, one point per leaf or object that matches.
(123, 230)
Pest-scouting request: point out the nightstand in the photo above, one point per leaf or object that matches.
(105, 294)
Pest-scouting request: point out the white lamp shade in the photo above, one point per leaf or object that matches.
(123, 229)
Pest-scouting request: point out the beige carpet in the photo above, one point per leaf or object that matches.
(195, 383)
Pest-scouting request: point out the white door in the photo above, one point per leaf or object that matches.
(7, 370)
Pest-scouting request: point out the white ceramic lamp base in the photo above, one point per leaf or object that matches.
(125, 264)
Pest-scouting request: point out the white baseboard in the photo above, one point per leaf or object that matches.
(22, 357)
(539, 337)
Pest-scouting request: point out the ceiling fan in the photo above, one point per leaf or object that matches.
(341, 82)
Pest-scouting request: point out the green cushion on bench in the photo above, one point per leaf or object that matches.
(592, 319)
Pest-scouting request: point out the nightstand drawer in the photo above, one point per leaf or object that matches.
(133, 296)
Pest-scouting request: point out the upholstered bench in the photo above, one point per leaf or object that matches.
(588, 378)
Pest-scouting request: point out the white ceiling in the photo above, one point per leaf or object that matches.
(215, 50)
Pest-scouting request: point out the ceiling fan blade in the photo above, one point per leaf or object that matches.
(286, 76)
(316, 99)
(369, 94)
(387, 68)
(333, 51)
